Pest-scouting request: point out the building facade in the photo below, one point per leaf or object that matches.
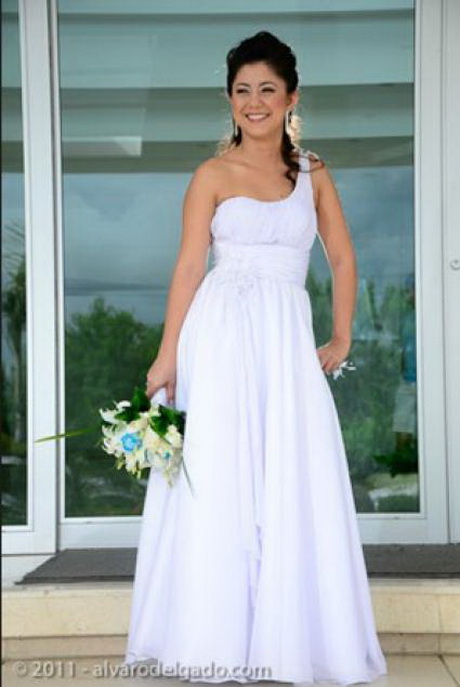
(107, 108)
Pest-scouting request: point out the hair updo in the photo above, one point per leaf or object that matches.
(265, 47)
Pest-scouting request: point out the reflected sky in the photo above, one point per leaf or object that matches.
(122, 234)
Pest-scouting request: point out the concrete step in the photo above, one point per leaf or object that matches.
(413, 616)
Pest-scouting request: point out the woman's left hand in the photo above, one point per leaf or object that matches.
(332, 354)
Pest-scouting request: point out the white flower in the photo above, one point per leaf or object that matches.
(108, 415)
(151, 439)
(155, 410)
(140, 424)
(131, 462)
(135, 460)
(158, 462)
(114, 430)
(163, 446)
(345, 365)
(112, 445)
(173, 436)
(109, 445)
(123, 404)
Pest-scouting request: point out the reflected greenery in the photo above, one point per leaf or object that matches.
(13, 432)
(108, 352)
(365, 398)
(13, 435)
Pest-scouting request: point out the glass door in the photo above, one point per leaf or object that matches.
(141, 105)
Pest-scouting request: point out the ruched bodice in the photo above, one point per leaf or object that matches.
(269, 238)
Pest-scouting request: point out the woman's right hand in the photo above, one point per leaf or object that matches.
(161, 373)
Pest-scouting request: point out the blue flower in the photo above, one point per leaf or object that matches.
(131, 441)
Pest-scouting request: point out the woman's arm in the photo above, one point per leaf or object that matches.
(336, 239)
(189, 270)
(190, 266)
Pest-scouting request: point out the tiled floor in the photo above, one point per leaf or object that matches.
(404, 671)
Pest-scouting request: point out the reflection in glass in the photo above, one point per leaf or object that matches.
(377, 402)
(14, 381)
(142, 95)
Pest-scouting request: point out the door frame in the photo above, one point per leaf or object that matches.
(451, 256)
(39, 534)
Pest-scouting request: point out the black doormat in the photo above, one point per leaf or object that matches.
(106, 565)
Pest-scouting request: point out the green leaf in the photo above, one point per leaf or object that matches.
(140, 401)
(72, 433)
(168, 416)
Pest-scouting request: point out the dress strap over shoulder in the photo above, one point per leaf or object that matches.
(304, 160)
(316, 157)
(312, 153)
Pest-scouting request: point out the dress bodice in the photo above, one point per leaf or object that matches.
(290, 221)
(268, 237)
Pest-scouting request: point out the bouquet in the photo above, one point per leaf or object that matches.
(141, 434)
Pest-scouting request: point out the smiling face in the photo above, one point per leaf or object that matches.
(259, 100)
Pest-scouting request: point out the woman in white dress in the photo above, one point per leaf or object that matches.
(260, 574)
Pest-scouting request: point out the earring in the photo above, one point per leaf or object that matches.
(287, 119)
(235, 129)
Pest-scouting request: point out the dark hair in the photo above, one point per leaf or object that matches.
(265, 47)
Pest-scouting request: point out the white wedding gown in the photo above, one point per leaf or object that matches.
(262, 566)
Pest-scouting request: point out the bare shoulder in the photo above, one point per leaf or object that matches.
(214, 172)
(197, 213)
(205, 172)
(217, 173)
(202, 185)
(223, 164)
(321, 178)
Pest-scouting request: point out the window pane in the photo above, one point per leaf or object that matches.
(361, 120)
(142, 94)
(14, 387)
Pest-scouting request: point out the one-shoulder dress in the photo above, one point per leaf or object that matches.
(259, 573)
